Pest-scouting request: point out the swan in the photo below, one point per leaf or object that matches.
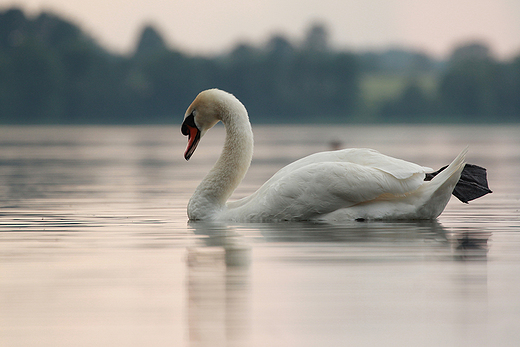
(357, 184)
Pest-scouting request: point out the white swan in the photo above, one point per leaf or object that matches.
(344, 184)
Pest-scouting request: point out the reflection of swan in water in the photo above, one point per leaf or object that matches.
(219, 283)
(223, 240)
(420, 236)
(218, 286)
(385, 233)
(351, 183)
(471, 245)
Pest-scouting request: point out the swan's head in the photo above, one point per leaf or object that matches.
(208, 108)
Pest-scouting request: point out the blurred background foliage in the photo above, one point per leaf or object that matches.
(51, 72)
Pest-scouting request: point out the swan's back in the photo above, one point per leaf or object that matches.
(398, 168)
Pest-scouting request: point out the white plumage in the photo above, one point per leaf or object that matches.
(344, 184)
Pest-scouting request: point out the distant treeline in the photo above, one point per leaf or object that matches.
(51, 72)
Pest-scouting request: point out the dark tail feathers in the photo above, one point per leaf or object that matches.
(472, 184)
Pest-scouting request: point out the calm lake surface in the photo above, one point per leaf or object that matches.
(96, 250)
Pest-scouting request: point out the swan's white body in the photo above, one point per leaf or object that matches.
(344, 184)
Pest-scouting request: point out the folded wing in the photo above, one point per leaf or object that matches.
(326, 181)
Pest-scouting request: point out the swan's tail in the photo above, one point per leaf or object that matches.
(455, 168)
(472, 184)
(438, 191)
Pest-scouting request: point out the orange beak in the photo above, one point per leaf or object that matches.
(189, 128)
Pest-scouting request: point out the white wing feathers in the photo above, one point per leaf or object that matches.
(326, 181)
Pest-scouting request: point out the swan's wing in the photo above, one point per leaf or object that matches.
(317, 188)
(351, 182)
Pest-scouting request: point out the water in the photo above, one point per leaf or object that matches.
(95, 248)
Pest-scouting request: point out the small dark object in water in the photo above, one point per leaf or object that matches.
(472, 184)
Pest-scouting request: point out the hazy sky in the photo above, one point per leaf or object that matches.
(206, 26)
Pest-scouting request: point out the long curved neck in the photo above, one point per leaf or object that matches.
(229, 170)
